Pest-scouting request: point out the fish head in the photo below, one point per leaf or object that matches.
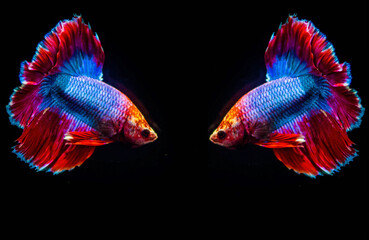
(230, 132)
(136, 130)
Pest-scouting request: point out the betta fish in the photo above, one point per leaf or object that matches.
(304, 109)
(64, 107)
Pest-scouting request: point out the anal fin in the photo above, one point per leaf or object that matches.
(326, 148)
(89, 138)
(43, 147)
(280, 140)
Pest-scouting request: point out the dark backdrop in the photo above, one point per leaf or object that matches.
(183, 64)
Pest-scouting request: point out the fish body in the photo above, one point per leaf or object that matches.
(278, 102)
(65, 108)
(304, 109)
(89, 100)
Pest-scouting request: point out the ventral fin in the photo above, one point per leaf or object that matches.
(258, 130)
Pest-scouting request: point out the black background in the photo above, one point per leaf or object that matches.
(184, 64)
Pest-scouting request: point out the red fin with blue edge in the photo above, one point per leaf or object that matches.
(24, 103)
(80, 51)
(326, 147)
(42, 143)
(289, 50)
(346, 106)
(299, 48)
(72, 48)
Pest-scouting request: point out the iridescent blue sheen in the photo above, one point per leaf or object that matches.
(88, 100)
(81, 64)
(282, 100)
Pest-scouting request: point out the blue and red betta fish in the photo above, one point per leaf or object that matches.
(64, 107)
(304, 109)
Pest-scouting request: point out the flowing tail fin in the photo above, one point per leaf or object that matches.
(70, 48)
(298, 49)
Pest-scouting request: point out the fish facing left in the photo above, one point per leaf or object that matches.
(64, 107)
(305, 108)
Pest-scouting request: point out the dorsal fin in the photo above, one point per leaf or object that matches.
(299, 48)
(70, 48)
(289, 50)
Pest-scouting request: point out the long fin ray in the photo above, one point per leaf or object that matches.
(71, 48)
(86, 138)
(326, 147)
(43, 146)
(299, 48)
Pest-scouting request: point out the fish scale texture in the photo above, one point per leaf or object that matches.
(304, 109)
(64, 107)
(88, 99)
(280, 101)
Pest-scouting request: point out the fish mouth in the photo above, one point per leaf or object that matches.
(153, 136)
(214, 138)
(147, 140)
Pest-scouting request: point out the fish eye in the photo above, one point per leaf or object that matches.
(145, 133)
(222, 135)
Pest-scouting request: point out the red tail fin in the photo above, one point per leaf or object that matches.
(326, 147)
(25, 102)
(60, 51)
(299, 48)
(71, 48)
(42, 144)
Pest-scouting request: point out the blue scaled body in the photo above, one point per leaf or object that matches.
(280, 101)
(87, 99)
